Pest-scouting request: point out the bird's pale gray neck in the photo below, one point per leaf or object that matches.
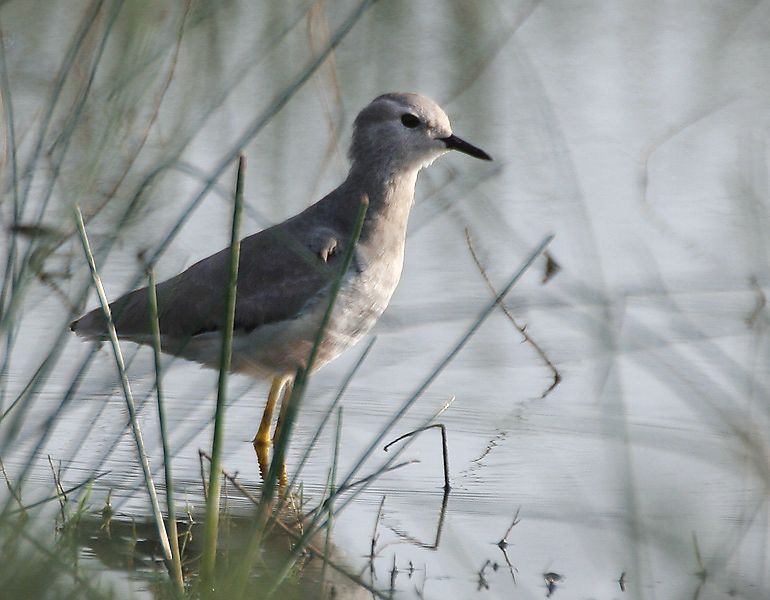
(390, 191)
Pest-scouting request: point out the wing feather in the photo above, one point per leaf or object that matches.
(280, 273)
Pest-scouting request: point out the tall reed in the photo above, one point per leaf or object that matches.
(176, 571)
(211, 525)
(113, 336)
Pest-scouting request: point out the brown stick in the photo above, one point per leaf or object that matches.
(521, 328)
(444, 448)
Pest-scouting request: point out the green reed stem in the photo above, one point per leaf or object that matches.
(211, 525)
(145, 462)
(176, 571)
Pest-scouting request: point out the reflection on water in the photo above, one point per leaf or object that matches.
(634, 133)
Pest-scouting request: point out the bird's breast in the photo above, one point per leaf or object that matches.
(364, 295)
(280, 348)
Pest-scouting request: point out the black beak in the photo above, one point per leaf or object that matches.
(455, 143)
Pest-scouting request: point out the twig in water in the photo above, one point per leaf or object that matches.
(503, 545)
(521, 328)
(375, 537)
(444, 448)
(387, 466)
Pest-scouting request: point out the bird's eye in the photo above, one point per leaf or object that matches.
(409, 120)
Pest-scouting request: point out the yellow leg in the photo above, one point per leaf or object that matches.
(284, 405)
(263, 434)
(263, 459)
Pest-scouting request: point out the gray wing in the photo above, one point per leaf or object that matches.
(282, 270)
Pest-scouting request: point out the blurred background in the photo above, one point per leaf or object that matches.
(636, 132)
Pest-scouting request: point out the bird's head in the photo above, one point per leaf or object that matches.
(406, 131)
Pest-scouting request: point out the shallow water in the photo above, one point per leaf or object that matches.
(635, 133)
